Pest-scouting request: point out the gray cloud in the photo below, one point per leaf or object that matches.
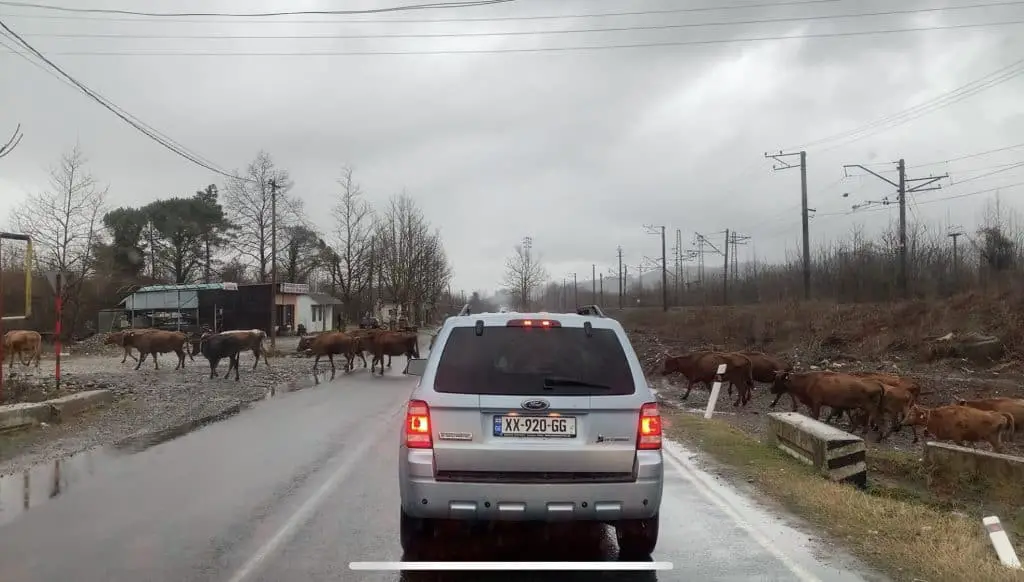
(577, 149)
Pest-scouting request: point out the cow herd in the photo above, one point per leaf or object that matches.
(870, 400)
(359, 342)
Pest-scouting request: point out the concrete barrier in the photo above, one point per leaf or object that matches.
(952, 462)
(17, 416)
(836, 454)
(73, 404)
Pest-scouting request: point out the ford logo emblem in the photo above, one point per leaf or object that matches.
(535, 404)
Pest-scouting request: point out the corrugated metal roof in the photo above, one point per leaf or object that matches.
(189, 287)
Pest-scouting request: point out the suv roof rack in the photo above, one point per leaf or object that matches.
(592, 310)
(465, 310)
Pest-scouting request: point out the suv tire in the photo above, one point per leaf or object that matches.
(637, 537)
(413, 531)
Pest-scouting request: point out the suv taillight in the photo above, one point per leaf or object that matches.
(648, 435)
(417, 425)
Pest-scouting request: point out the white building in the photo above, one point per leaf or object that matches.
(317, 311)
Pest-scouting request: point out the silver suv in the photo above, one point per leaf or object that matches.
(532, 417)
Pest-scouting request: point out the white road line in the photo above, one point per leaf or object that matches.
(691, 473)
(308, 507)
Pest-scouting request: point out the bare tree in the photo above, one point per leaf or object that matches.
(65, 223)
(351, 268)
(12, 143)
(248, 203)
(415, 270)
(524, 274)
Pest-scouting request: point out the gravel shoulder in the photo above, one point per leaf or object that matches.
(144, 400)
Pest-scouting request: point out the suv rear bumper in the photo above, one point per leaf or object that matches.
(425, 497)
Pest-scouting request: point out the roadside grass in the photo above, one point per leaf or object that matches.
(899, 524)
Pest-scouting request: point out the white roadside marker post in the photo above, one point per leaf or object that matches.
(716, 388)
(1001, 542)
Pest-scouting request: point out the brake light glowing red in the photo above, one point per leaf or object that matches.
(417, 426)
(533, 323)
(648, 435)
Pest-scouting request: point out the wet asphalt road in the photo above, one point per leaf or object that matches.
(296, 487)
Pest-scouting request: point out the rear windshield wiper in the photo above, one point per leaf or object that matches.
(553, 381)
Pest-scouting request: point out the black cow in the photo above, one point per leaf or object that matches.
(215, 347)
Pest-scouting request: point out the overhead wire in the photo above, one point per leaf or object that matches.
(131, 120)
(691, 9)
(635, 45)
(400, 8)
(649, 27)
(928, 201)
(946, 99)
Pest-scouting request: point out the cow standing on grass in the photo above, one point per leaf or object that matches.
(21, 342)
(158, 342)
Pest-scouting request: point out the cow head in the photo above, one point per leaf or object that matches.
(781, 383)
(916, 415)
(113, 339)
(670, 366)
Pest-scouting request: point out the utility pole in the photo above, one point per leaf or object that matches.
(736, 239)
(651, 229)
(575, 291)
(593, 283)
(621, 277)
(924, 184)
(273, 263)
(804, 212)
(725, 271)
(600, 280)
(955, 233)
(527, 272)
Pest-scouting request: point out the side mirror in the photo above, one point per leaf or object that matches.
(416, 366)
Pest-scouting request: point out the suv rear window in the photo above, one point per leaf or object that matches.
(534, 362)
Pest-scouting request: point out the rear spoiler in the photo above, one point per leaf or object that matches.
(591, 310)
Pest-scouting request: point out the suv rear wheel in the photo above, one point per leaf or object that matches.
(413, 531)
(637, 537)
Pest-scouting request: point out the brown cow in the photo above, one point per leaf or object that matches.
(362, 344)
(330, 344)
(764, 366)
(898, 401)
(1012, 406)
(117, 339)
(392, 343)
(702, 367)
(251, 339)
(157, 342)
(21, 342)
(962, 424)
(817, 389)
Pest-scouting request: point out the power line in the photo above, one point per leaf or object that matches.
(120, 113)
(944, 100)
(537, 49)
(695, 9)
(401, 8)
(929, 201)
(969, 156)
(516, 32)
(1006, 168)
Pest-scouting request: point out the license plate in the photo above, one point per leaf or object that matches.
(535, 426)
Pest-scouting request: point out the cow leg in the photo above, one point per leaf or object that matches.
(315, 361)
(181, 359)
(213, 367)
(142, 358)
(234, 362)
(389, 361)
(156, 362)
(776, 401)
(689, 387)
(363, 356)
(834, 413)
(816, 411)
(333, 369)
(256, 352)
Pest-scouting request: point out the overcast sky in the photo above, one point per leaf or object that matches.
(577, 149)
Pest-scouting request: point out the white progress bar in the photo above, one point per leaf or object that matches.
(510, 566)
